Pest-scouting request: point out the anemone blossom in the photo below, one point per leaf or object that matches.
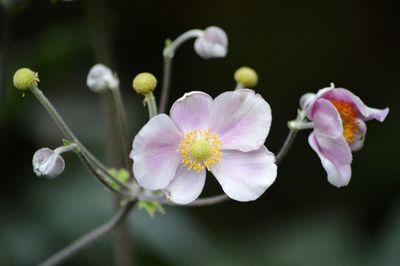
(225, 136)
(339, 128)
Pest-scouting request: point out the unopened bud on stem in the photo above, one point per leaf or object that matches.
(100, 78)
(24, 79)
(47, 163)
(246, 76)
(213, 43)
(144, 83)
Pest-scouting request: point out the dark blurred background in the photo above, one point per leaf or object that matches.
(295, 46)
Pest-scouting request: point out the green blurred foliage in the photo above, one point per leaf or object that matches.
(295, 46)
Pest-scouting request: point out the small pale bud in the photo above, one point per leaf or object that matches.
(144, 83)
(47, 163)
(212, 44)
(246, 76)
(306, 100)
(24, 79)
(101, 78)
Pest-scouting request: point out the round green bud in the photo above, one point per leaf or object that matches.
(24, 79)
(246, 76)
(144, 83)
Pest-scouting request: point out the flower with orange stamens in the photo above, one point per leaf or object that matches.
(339, 128)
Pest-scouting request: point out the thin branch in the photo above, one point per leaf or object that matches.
(168, 54)
(209, 200)
(83, 242)
(199, 202)
(151, 104)
(165, 84)
(286, 145)
(123, 128)
(94, 166)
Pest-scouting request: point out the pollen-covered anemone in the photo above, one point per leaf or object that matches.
(339, 128)
(225, 136)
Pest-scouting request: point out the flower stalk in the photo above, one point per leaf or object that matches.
(94, 166)
(151, 105)
(295, 125)
(210, 43)
(123, 128)
(66, 148)
(71, 250)
(167, 70)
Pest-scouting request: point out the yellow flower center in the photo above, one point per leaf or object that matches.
(348, 114)
(200, 149)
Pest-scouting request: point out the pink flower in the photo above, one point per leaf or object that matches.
(213, 43)
(225, 136)
(338, 116)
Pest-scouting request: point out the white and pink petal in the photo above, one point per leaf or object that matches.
(326, 119)
(154, 153)
(328, 130)
(191, 111)
(186, 186)
(365, 112)
(241, 118)
(338, 174)
(244, 176)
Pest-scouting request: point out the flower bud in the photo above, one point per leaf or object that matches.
(246, 76)
(213, 43)
(24, 79)
(47, 163)
(144, 83)
(101, 78)
(306, 99)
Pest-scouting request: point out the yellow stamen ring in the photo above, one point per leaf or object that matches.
(200, 149)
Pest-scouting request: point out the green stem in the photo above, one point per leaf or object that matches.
(94, 166)
(286, 145)
(66, 148)
(83, 242)
(98, 14)
(165, 83)
(168, 54)
(123, 129)
(151, 104)
(300, 123)
(54, 114)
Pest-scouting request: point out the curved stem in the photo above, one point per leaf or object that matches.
(168, 55)
(209, 200)
(295, 125)
(94, 166)
(67, 148)
(165, 83)
(123, 129)
(103, 52)
(54, 114)
(199, 202)
(286, 145)
(169, 51)
(151, 104)
(76, 246)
